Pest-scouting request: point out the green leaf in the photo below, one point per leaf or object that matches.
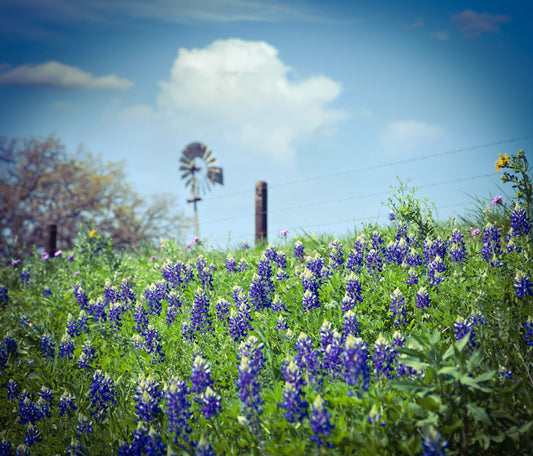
(449, 371)
(410, 387)
(472, 383)
(431, 402)
(478, 413)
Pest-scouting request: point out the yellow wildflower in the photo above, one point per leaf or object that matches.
(502, 162)
(92, 233)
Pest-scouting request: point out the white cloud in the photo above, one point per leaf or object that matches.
(473, 24)
(240, 92)
(56, 74)
(407, 136)
(442, 35)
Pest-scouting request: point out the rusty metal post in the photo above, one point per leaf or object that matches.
(260, 212)
(51, 239)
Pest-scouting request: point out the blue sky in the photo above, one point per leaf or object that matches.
(326, 101)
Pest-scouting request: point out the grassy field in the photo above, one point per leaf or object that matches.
(404, 339)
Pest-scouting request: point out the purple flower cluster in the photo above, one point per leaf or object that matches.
(102, 394)
(47, 346)
(397, 252)
(231, 264)
(4, 296)
(153, 344)
(331, 346)
(249, 389)
(87, 355)
(81, 297)
(335, 254)
(433, 249)
(178, 411)
(397, 308)
(127, 295)
(319, 422)
(433, 444)
(436, 271)
(177, 274)
(174, 306)
(422, 299)
(356, 256)
(148, 399)
(240, 321)
(384, 358)
(200, 318)
(66, 404)
(206, 398)
(355, 363)
(29, 412)
(466, 327)
(491, 245)
(294, 401)
(222, 310)
(522, 285)
(66, 347)
(308, 358)
(299, 250)
(155, 293)
(520, 222)
(350, 324)
(529, 331)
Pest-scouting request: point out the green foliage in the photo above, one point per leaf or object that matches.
(477, 397)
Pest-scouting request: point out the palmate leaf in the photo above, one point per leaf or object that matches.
(478, 413)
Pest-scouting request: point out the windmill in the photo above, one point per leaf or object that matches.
(200, 173)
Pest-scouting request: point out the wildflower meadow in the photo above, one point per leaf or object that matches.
(414, 338)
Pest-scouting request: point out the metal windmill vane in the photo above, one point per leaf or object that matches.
(198, 168)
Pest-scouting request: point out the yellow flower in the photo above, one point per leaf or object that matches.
(502, 162)
(92, 233)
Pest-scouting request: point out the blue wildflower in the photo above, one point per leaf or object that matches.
(397, 308)
(422, 299)
(66, 347)
(319, 422)
(102, 394)
(147, 399)
(522, 285)
(355, 363)
(529, 328)
(350, 324)
(47, 346)
(87, 355)
(520, 222)
(178, 410)
(12, 390)
(299, 250)
(66, 404)
(432, 443)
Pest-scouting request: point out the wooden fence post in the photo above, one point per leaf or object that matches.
(260, 212)
(51, 239)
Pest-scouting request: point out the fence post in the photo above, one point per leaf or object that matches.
(260, 212)
(51, 239)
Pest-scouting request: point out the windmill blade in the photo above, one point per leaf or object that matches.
(214, 174)
(209, 157)
(185, 175)
(186, 161)
(185, 168)
(194, 150)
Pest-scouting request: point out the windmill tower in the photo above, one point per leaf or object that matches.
(197, 167)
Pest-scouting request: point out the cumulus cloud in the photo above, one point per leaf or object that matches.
(473, 24)
(56, 74)
(409, 135)
(241, 92)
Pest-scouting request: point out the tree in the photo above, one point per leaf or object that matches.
(40, 182)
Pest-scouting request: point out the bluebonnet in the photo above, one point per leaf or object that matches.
(397, 308)
(348, 303)
(436, 271)
(148, 399)
(281, 324)
(374, 262)
(466, 327)
(270, 253)
(412, 276)
(522, 285)
(174, 306)
(308, 358)
(73, 329)
(222, 310)
(251, 362)
(356, 256)
(350, 324)
(299, 250)
(413, 258)
(505, 373)
(520, 222)
(433, 444)
(28, 410)
(511, 245)
(155, 293)
(115, 313)
(25, 277)
(529, 331)
(4, 296)
(210, 403)
(200, 375)
(335, 254)
(401, 231)
(140, 317)
(203, 448)
(82, 322)
(259, 293)
(127, 296)
(47, 346)
(177, 274)
(374, 418)
(433, 249)
(111, 293)
(3, 359)
(491, 245)
(396, 252)
(178, 410)
(75, 448)
(200, 317)
(243, 265)
(457, 247)
(12, 390)
(23, 450)
(281, 275)
(46, 400)
(32, 435)
(10, 344)
(6, 448)
(87, 355)
(353, 288)
(84, 425)
(153, 344)
(138, 342)
(231, 265)
(277, 304)
(97, 309)
(66, 404)
(422, 298)
(355, 363)
(315, 264)
(319, 422)
(332, 355)
(293, 395)
(384, 358)
(25, 321)
(377, 242)
(240, 321)
(47, 291)
(311, 283)
(102, 394)
(281, 260)
(153, 444)
(66, 347)
(81, 297)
